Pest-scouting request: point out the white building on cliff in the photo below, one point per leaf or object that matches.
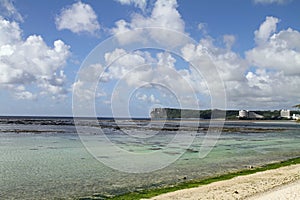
(296, 116)
(285, 114)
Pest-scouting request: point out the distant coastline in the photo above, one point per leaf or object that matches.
(176, 113)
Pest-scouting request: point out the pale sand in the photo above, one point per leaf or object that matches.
(285, 192)
(254, 186)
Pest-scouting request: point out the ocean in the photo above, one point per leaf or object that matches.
(46, 158)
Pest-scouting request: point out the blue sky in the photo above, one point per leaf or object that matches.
(254, 46)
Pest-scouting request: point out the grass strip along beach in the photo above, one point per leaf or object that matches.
(196, 183)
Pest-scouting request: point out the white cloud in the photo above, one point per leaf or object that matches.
(83, 91)
(274, 83)
(78, 18)
(229, 64)
(272, 1)
(8, 9)
(94, 73)
(25, 95)
(267, 89)
(164, 15)
(141, 69)
(119, 65)
(216, 71)
(30, 63)
(150, 99)
(229, 40)
(203, 28)
(277, 51)
(141, 97)
(137, 3)
(272, 89)
(88, 79)
(267, 28)
(131, 70)
(10, 33)
(126, 33)
(132, 67)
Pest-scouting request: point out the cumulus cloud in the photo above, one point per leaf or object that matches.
(159, 70)
(137, 3)
(229, 64)
(216, 70)
(274, 82)
(88, 78)
(277, 51)
(140, 68)
(245, 79)
(164, 15)
(272, 89)
(150, 99)
(132, 67)
(131, 70)
(136, 69)
(267, 28)
(271, 84)
(78, 18)
(119, 65)
(31, 63)
(25, 95)
(272, 1)
(8, 9)
(83, 90)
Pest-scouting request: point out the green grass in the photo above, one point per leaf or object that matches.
(190, 184)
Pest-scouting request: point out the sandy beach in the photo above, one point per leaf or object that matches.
(282, 183)
(284, 192)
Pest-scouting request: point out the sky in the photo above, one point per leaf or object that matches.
(120, 58)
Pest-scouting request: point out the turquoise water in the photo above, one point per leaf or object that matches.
(39, 160)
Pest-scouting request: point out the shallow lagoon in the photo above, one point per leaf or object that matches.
(47, 160)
